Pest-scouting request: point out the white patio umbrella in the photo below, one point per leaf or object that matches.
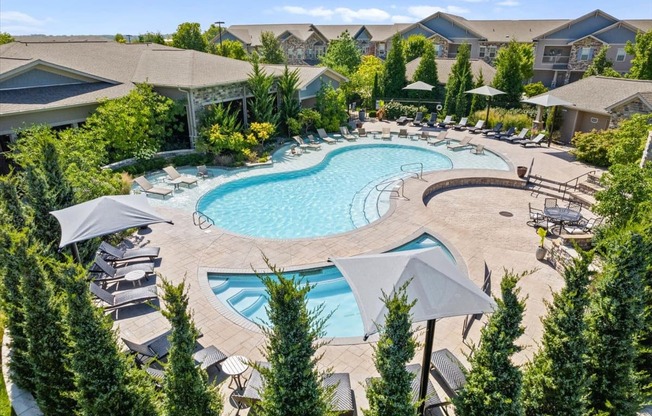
(419, 86)
(487, 91)
(439, 287)
(104, 215)
(546, 100)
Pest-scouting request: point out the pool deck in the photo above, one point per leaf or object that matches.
(466, 219)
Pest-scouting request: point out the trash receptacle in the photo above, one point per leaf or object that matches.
(362, 115)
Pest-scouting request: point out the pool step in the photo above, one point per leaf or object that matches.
(369, 202)
(247, 302)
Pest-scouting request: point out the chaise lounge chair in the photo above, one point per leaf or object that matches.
(505, 134)
(108, 272)
(517, 138)
(441, 138)
(112, 253)
(462, 124)
(402, 121)
(402, 133)
(178, 179)
(113, 301)
(324, 136)
(313, 139)
(447, 121)
(536, 141)
(432, 120)
(386, 134)
(491, 132)
(203, 172)
(477, 128)
(347, 134)
(449, 369)
(304, 145)
(418, 119)
(362, 132)
(159, 347)
(151, 189)
(465, 142)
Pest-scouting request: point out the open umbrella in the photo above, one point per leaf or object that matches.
(440, 288)
(419, 86)
(487, 91)
(104, 215)
(546, 100)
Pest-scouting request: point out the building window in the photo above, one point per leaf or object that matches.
(492, 51)
(438, 50)
(381, 48)
(585, 54)
(483, 51)
(620, 57)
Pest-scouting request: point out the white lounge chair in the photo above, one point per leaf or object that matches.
(444, 124)
(386, 134)
(151, 189)
(517, 138)
(462, 124)
(347, 134)
(304, 145)
(536, 141)
(477, 128)
(462, 144)
(441, 138)
(178, 179)
(312, 139)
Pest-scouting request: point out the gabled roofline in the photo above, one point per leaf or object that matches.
(451, 18)
(586, 37)
(24, 68)
(314, 30)
(363, 28)
(619, 23)
(630, 98)
(441, 36)
(570, 23)
(418, 25)
(232, 34)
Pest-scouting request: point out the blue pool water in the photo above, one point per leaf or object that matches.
(245, 295)
(337, 195)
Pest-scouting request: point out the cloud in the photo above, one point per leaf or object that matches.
(403, 19)
(509, 3)
(315, 12)
(342, 13)
(425, 11)
(19, 23)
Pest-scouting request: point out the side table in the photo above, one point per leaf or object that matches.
(234, 366)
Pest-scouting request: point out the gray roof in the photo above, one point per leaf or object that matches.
(331, 32)
(380, 33)
(307, 74)
(583, 94)
(643, 25)
(444, 69)
(250, 34)
(64, 38)
(506, 30)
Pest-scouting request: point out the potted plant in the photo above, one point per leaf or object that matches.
(380, 113)
(541, 250)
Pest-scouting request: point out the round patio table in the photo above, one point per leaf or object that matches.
(135, 277)
(561, 216)
(234, 366)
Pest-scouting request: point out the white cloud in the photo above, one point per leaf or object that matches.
(19, 23)
(344, 14)
(425, 11)
(315, 12)
(457, 10)
(509, 3)
(403, 19)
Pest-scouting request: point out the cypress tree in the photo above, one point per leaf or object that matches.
(460, 77)
(614, 321)
(555, 382)
(288, 89)
(391, 393)
(644, 338)
(376, 92)
(494, 384)
(107, 382)
(262, 103)
(395, 69)
(55, 177)
(46, 334)
(42, 201)
(292, 383)
(451, 92)
(509, 76)
(478, 102)
(186, 388)
(462, 102)
(12, 209)
(427, 72)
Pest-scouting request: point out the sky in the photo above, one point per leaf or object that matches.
(92, 17)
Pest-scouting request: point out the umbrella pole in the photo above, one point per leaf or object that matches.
(486, 118)
(75, 253)
(425, 364)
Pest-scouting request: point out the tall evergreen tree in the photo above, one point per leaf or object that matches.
(292, 383)
(189, 36)
(427, 72)
(186, 388)
(12, 209)
(42, 201)
(64, 195)
(288, 89)
(478, 102)
(460, 77)
(509, 76)
(376, 91)
(271, 51)
(641, 51)
(494, 383)
(463, 100)
(342, 55)
(644, 338)
(601, 65)
(555, 381)
(394, 77)
(415, 46)
(262, 103)
(614, 320)
(47, 342)
(107, 382)
(391, 393)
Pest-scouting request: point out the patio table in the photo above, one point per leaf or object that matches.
(561, 215)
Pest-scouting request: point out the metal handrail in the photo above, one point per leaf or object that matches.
(418, 175)
(563, 188)
(399, 190)
(200, 219)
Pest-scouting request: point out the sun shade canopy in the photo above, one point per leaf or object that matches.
(419, 86)
(547, 100)
(440, 288)
(105, 215)
(485, 90)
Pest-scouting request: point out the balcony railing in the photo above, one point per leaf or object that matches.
(555, 59)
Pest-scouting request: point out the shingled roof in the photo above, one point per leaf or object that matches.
(251, 34)
(444, 69)
(506, 30)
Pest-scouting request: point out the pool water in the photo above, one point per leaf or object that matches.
(337, 195)
(245, 294)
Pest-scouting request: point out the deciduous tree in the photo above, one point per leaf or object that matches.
(509, 76)
(362, 81)
(151, 37)
(230, 49)
(415, 46)
(6, 38)
(270, 50)
(394, 78)
(342, 55)
(189, 36)
(601, 65)
(641, 51)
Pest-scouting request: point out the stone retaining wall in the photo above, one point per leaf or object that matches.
(437, 187)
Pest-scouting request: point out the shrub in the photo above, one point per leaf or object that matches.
(331, 104)
(534, 88)
(394, 110)
(372, 113)
(592, 147)
(510, 118)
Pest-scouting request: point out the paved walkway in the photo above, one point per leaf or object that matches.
(467, 219)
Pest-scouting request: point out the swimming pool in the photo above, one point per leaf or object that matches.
(245, 295)
(337, 195)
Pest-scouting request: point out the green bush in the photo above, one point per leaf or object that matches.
(510, 118)
(158, 163)
(372, 113)
(534, 88)
(394, 110)
(592, 147)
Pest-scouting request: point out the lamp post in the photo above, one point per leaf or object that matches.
(219, 25)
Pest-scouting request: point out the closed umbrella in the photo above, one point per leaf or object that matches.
(437, 284)
(489, 92)
(104, 215)
(547, 100)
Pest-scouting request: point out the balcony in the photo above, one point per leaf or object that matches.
(555, 61)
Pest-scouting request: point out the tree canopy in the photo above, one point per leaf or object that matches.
(362, 81)
(415, 46)
(189, 36)
(601, 65)
(394, 78)
(427, 72)
(459, 81)
(641, 50)
(270, 50)
(151, 37)
(509, 75)
(230, 49)
(5, 38)
(342, 55)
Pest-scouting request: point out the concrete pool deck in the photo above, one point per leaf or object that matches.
(466, 219)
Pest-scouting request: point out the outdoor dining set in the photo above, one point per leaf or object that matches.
(562, 219)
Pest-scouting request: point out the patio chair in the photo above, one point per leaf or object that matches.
(303, 145)
(537, 218)
(432, 120)
(386, 134)
(491, 132)
(478, 149)
(362, 132)
(504, 134)
(424, 136)
(112, 253)
(203, 172)
(313, 139)
(444, 124)
(116, 300)
(108, 272)
(403, 133)
(462, 124)
(536, 141)
(323, 135)
(550, 203)
(465, 142)
(432, 399)
(402, 121)
(347, 134)
(148, 188)
(179, 179)
(449, 369)
(517, 138)
(441, 138)
(477, 128)
(418, 119)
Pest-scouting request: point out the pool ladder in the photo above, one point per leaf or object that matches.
(202, 220)
(418, 174)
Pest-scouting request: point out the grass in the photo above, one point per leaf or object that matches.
(5, 407)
